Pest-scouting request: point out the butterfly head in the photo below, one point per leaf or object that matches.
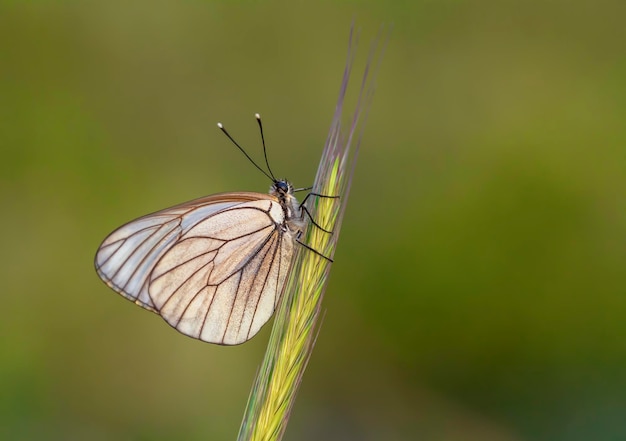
(281, 188)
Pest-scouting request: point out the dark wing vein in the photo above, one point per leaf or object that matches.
(175, 267)
(232, 305)
(124, 239)
(185, 281)
(148, 253)
(253, 282)
(267, 273)
(232, 238)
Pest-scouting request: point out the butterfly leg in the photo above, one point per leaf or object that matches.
(315, 194)
(305, 210)
(311, 249)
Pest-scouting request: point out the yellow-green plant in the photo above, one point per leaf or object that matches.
(296, 321)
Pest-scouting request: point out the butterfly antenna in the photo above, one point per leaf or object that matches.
(258, 119)
(221, 127)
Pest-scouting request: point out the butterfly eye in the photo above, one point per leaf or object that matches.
(282, 187)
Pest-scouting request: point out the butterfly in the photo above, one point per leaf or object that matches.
(214, 267)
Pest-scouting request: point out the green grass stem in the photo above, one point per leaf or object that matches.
(296, 322)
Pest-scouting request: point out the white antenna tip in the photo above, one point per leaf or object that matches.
(220, 125)
(257, 116)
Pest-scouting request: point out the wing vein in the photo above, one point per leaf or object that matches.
(234, 237)
(149, 253)
(127, 258)
(186, 262)
(183, 283)
(252, 284)
(232, 305)
(277, 247)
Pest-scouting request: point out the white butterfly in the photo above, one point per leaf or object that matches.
(213, 268)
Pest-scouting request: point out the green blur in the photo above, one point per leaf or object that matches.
(479, 289)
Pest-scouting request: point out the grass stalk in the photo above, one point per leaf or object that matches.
(296, 322)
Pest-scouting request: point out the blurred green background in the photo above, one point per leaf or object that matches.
(479, 290)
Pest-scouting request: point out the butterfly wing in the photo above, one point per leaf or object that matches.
(213, 268)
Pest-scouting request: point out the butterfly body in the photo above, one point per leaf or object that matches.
(213, 268)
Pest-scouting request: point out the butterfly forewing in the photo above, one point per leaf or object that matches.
(126, 257)
(213, 268)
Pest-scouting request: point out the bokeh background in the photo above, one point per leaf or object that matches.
(479, 290)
